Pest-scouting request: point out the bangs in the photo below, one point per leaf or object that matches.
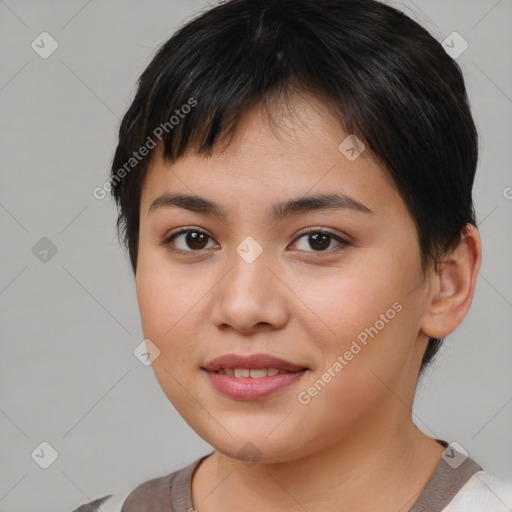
(195, 97)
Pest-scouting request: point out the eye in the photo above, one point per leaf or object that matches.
(195, 240)
(187, 240)
(319, 240)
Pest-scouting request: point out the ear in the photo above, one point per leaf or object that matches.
(452, 287)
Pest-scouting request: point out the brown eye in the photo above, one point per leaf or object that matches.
(196, 240)
(319, 241)
(188, 240)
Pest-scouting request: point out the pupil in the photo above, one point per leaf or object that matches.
(196, 238)
(319, 238)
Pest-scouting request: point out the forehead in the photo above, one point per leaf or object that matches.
(292, 150)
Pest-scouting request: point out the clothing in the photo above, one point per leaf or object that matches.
(465, 488)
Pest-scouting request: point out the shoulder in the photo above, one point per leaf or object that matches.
(109, 503)
(92, 506)
(482, 493)
(150, 492)
(156, 495)
(137, 495)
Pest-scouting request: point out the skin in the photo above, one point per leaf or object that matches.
(354, 445)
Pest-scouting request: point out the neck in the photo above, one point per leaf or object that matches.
(380, 463)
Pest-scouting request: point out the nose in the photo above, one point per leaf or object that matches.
(250, 298)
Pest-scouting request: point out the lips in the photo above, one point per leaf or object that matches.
(251, 377)
(252, 362)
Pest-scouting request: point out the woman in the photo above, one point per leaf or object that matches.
(294, 186)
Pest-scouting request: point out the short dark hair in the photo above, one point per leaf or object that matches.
(391, 83)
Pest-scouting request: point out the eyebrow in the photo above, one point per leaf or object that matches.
(279, 211)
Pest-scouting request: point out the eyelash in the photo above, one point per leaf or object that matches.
(343, 243)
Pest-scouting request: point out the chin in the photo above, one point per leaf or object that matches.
(255, 445)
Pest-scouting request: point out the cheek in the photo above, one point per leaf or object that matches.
(165, 292)
(169, 304)
(368, 336)
(344, 302)
(169, 310)
(365, 314)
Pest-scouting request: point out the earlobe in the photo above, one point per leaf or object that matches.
(453, 286)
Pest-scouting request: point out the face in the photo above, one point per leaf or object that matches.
(330, 288)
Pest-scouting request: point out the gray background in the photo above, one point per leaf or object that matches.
(70, 324)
